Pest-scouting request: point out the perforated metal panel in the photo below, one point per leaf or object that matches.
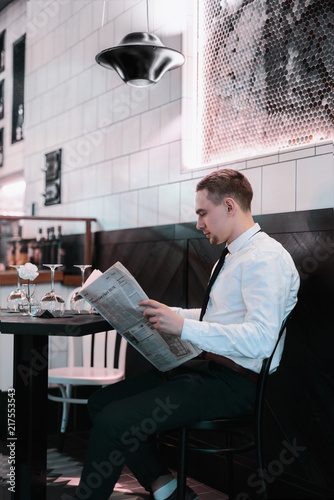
(265, 73)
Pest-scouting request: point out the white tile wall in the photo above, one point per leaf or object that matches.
(315, 182)
(279, 188)
(123, 147)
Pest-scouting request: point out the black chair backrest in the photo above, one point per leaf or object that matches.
(263, 378)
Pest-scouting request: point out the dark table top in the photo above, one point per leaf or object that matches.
(71, 325)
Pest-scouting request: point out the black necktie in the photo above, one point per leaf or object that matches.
(212, 280)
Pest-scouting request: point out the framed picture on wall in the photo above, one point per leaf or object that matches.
(2, 99)
(52, 193)
(1, 147)
(19, 48)
(2, 51)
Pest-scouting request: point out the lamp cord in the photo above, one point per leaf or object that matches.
(147, 18)
(103, 12)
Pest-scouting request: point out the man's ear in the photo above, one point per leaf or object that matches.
(230, 205)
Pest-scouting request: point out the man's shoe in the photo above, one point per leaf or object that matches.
(189, 495)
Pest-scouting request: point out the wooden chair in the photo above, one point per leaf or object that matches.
(100, 367)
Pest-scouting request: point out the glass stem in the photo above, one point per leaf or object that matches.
(29, 301)
(82, 276)
(52, 278)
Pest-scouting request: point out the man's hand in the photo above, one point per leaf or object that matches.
(162, 317)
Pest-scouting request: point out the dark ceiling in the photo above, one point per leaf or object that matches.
(4, 3)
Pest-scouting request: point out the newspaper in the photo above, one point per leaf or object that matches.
(115, 295)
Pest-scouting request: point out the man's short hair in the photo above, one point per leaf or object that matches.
(227, 183)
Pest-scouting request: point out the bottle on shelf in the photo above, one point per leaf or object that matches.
(61, 250)
(31, 251)
(37, 248)
(23, 255)
(42, 252)
(53, 246)
(47, 248)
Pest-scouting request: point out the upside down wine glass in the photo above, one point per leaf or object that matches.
(16, 295)
(78, 304)
(52, 301)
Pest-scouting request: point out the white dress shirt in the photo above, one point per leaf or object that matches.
(255, 290)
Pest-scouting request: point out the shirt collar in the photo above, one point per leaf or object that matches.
(243, 238)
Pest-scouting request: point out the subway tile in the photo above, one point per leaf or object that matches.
(72, 156)
(113, 134)
(279, 188)
(110, 220)
(104, 105)
(139, 18)
(99, 81)
(64, 62)
(158, 165)
(104, 175)
(139, 170)
(75, 122)
(296, 153)
(187, 201)
(325, 148)
(72, 31)
(148, 207)
(315, 182)
(139, 98)
(170, 122)
(72, 186)
(96, 208)
(90, 110)
(129, 209)
(84, 20)
(131, 135)
(261, 160)
(70, 93)
(107, 37)
(169, 204)
(159, 94)
(176, 168)
(85, 86)
(77, 57)
(59, 37)
(97, 140)
(255, 178)
(90, 50)
(121, 103)
(120, 175)
(150, 128)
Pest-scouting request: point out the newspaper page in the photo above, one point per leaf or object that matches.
(115, 295)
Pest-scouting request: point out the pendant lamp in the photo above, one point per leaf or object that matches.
(140, 58)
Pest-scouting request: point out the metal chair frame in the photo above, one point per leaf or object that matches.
(98, 368)
(231, 426)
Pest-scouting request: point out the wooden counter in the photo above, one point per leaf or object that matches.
(10, 278)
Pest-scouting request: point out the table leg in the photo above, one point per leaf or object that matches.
(30, 382)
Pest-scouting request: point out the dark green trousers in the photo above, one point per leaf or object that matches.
(127, 415)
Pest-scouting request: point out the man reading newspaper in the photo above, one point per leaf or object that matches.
(255, 289)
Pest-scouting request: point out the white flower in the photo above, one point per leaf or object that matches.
(28, 271)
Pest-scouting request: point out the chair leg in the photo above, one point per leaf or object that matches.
(181, 474)
(229, 468)
(260, 464)
(66, 393)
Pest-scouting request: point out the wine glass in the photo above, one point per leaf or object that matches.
(52, 301)
(79, 304)
(16, 295)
